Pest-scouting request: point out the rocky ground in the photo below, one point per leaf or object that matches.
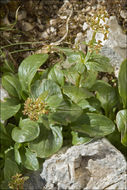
(41, 23)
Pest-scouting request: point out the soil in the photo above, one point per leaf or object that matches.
(41, 22)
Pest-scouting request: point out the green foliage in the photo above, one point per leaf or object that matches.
(62, 104)
(122, 79)
(28, 69)
(121, 120)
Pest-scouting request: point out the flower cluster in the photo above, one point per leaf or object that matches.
(97, 22)
(17, 182)
(34, 108)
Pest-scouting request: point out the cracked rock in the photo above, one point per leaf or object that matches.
(93, 166)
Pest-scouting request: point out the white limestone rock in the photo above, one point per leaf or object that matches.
(93, 166)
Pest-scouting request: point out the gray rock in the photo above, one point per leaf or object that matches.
(123, 14)
(27, 26)
(93, 166)
(116, 46)
(53, 22)
(22, 15)
(45, 35)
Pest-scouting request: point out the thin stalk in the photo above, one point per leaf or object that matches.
(17, 51)
(22, 43)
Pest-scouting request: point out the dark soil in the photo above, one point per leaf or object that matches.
(43, 22)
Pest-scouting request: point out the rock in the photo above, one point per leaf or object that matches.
(22, 15)
(105, 79)
(53, 22)
(41, 27)
(92, 166)
(27, 26)
(116, 46)
(52, 29)
(45, 35)
(85, 26)
(123, 14)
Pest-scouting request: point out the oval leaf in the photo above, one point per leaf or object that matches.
(31, 161)
(94, 125)
(65, 113)
(56, 75)
(121, 121)
(10, 169)
(45, 85)
(106, 94)
(9, 108)
(28, 130)
(80, 139)
(48, 142)
(17, 153)
(122, 81)
(98, 62)
(12, 85)
(28, 69)
(76, 94)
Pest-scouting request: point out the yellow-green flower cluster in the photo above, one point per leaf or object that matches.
(17, 182)
(97, 23)
(34, 108)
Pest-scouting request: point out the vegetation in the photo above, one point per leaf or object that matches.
(65, 104)
(66, 101)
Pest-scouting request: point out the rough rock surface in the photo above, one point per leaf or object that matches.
(116, 46)
(97, 165)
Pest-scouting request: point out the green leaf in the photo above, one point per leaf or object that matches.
(72, 56)
(39, 87)
(122, 82)
(28, 130)
(31, 161)
(98, 62)
(76, 94)
(10, 168)
(3, 133)
(107, 95)
(94, 125)
(54, 101)
(17, 153)
(121, 121)
(88, 79)
(28, 69)
(12, 85)
(71, 76)
(88, 104)
(7, 66)
(66, 113)
(9, 108)
(56, 75)
(48, 142)
(78, 139)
